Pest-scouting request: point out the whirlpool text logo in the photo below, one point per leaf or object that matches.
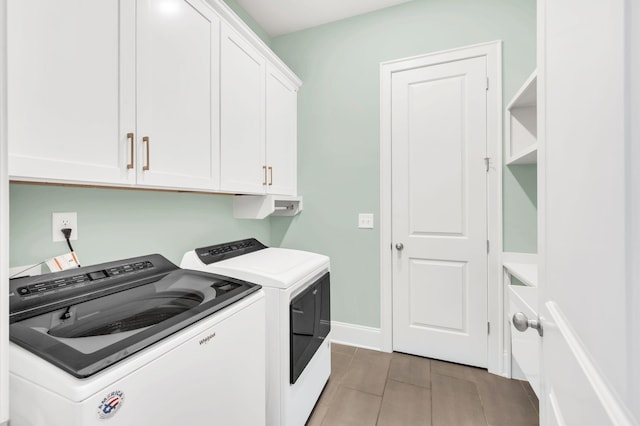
(205, 340)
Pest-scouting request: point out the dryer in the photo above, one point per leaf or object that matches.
(298, 320)
(136, 341)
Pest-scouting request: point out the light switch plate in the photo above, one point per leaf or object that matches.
(365, 220)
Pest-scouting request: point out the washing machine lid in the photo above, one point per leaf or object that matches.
(89, 318)
(272, 267)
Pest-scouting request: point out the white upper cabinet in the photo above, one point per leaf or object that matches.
(177, 94)
(104, 93)
(172, 94)
(281, 133)
(258, 121)
(242, 124)
(70, 97)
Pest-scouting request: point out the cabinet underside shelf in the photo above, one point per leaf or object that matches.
(261, 206)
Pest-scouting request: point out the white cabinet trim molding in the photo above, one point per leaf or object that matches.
(238, 24)
(495, 308)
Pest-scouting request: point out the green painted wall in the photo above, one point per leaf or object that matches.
(338, 122)
(115, 224)
(520, 208)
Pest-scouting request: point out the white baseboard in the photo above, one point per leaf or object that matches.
(356, 335)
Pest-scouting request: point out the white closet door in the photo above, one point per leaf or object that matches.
(242, 126)
(177, 137)
(439, 210)
(71, 95)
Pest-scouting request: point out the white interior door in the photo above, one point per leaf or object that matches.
(589, 298)
(177, 50)
(439, 211)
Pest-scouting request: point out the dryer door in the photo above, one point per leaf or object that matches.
(309, 324)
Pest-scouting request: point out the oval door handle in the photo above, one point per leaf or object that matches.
(399, 246)
(521, 323)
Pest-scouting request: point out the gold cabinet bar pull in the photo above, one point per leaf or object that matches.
(132, 142)
(270, 175)
(264, 170)
(145, 139)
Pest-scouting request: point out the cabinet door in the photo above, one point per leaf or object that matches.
(242, 98)
(178, 93)
(281, 133)
(71, 72)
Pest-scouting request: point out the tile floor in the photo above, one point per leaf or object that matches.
(376, 388)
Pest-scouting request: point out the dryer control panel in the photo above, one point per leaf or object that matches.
(218, 252)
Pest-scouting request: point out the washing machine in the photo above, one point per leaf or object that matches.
(298, 320)
(136, 342)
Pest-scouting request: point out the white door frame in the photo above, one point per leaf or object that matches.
(4, 223)
(492, 51)
(633, 209)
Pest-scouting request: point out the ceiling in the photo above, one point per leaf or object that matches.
(279, 17)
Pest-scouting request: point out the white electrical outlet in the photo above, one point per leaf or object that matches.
(365, 220)
(64, 220)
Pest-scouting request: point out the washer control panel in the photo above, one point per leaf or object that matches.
(48, 291)
(43, 287)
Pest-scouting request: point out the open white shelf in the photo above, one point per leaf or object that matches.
(521, 119)
(521, 269)
(525, 272)
(528, 155)
(523, 266)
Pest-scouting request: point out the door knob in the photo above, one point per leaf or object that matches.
(399, 246)
(521, 323)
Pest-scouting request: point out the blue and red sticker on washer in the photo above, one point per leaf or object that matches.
(110, 405)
